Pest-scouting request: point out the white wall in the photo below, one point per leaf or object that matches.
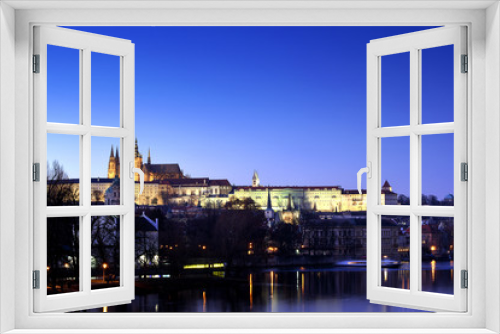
(7, 158)
(492, 163)
(480, 213)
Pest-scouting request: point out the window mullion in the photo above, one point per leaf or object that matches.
(85, 168)
(415, 169)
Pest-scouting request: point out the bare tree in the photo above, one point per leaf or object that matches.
(60, 189)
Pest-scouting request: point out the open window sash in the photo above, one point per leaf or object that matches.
(414, 43)
(81, 295)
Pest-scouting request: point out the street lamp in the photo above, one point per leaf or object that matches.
(104, 266)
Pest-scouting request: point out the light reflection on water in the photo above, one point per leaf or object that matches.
(280, 290)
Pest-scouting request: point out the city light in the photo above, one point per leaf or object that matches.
(104, 266)
(204, 266)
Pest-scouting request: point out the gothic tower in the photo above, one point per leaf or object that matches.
(269, 213)
(137, 160)
(111, 165)
(255, 179)
(117, 163)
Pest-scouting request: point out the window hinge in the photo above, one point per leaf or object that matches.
(36, 279)
(465, 64)
(36, 172)
(464, 171)
(465, 279)
(36, 63)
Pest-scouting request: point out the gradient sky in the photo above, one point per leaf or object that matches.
(289, 102)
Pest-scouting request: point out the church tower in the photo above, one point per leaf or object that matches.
(137, 160)
(386, 187)
(255, 179)
(111, 165)
(117, 163)
(269, 213)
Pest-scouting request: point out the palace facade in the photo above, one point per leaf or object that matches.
(165, 184)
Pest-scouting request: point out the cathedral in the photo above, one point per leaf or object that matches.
(152, 172)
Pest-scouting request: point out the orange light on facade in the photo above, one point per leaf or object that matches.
(433, 248)
(66, 265)
(204, 247)
(105, 265)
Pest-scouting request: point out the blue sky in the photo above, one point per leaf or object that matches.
(289, 102)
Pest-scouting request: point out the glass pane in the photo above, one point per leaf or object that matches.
(63, 254)
(437, 254)
(437, 84)
(395, 91)
(105, 90)
(395, 171)
(63, 85)
(395, 250)
(437, 169)
(105, 171)
(63, 170)
(105, 252)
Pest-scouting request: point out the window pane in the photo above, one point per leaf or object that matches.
(395, 91)
(105, 259)
(437, 254)
(63, 170)
(395, 172)
(437, 169)
(395, 251)
(105, 90)
(63, 85)
(105, 171)
(437, 84)
(63, 255)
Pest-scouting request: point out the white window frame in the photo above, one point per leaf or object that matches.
(85, 43)
(483, 21)
(414, 43)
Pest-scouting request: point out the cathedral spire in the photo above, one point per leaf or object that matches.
(289, 207)
(269, 203)
(136, 148)
(117, 154)
(149, 156)
(111, 155)
(269, 213)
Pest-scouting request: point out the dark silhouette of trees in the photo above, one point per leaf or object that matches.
(63, 261)
(233, 232)
(105, 240)
(286, 237)
(403, 200)
(63, 243)
(60, 191)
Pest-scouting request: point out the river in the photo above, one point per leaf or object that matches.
(339, 289)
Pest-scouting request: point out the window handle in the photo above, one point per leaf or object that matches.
(368, 171)
(134, 170)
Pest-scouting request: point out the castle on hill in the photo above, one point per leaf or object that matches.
(165, 184)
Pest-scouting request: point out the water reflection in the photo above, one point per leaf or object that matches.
(277, 290)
